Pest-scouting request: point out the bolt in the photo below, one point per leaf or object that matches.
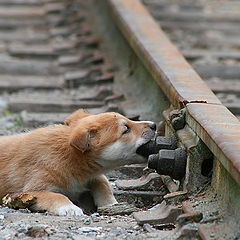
(154, 147)
(169, 162)
(178, 123)
(178, 119)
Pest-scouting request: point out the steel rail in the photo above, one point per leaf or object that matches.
(218, 128)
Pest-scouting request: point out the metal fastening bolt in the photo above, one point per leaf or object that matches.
(178, 123)
(169, 162)
(166, 143)
(178, 119)
(153, 147)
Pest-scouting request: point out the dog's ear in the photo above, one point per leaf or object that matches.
(76, 116)
(81, 139)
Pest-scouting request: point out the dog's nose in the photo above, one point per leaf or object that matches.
(153, 126)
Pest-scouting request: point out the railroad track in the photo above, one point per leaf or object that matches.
(50, 63)
(57, 56)
(207, 34)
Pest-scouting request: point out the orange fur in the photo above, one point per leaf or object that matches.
(63, 159)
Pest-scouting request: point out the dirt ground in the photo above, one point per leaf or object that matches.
(22, 224)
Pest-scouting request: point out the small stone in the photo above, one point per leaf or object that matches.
(189, 217)
(147, 227)
(22, 230)
(161, 215)
(118, 209)
(119, 231)
(176, 197)
(136, 227)
(36, 232)
(2, 217)
(95, 215)
(189, 232)
(90, 229)
(87, 221)
(80, 237)
(24, 210)
(92, 235)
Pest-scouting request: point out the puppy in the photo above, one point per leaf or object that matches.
(57, 163)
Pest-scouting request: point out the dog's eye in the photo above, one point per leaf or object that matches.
(127, 129)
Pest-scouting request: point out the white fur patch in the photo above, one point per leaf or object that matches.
(149, 122)
(121, 153)
(103, 200)
(69, 210)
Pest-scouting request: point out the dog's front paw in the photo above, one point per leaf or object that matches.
(69, 210)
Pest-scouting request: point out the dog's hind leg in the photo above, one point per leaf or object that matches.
(101, 191)
(51, 202)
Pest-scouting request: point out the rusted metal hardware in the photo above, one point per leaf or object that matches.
(154, 147)
(160, 215)
(177, 118)
(147, 182)
(169, 162)
(174, 198)
(162, 153)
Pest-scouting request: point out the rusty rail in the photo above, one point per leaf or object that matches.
(175, 76)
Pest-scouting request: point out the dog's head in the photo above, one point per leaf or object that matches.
(110, 137)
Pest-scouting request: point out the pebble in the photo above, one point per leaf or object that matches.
(155, 207)
(2, 217)
(22, 230)
(95, 217)
(3, 103)
(37, 232)
(118, 231)
(80, 237)
(92, 235)
(87, 221)
(147, 227)
(90, 229)
(136, 227)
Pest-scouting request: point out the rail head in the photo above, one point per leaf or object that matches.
(213, 123)
(176, 77)
(220, 130)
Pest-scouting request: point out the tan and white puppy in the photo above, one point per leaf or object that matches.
(57, 163)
